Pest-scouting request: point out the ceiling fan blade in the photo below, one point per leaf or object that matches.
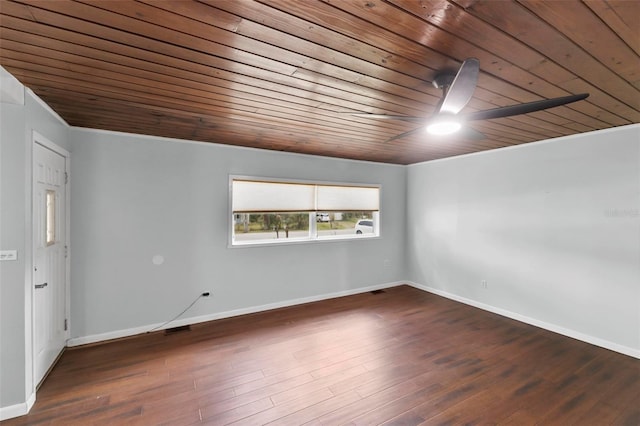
(405, 134)
(462, 87)
(525, 108)
(388, 117)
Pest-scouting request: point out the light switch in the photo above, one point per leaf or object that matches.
(8, 255)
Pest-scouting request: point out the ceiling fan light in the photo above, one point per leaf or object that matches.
(444, 126)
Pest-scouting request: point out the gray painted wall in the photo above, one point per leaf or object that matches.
(553, 227)
(17, 124)
(12, 236)
(136, 197)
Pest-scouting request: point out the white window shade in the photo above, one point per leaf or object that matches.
(347, 198)
(262, 196)
(257, 196)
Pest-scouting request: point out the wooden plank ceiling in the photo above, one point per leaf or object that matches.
(285, 74)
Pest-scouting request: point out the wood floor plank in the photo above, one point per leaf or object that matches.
(399, 357)
(235, 414)
(367, 404)
(280, 411)
(318, 384)
(398, 407)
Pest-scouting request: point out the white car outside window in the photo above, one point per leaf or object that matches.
(364, 226)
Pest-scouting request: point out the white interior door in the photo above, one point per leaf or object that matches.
(49, 209)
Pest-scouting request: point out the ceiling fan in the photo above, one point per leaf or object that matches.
(457, 90)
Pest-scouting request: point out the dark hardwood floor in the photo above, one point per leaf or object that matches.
(401, 357)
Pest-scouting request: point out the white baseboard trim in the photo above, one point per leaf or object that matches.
(95, 338)
(17, 410)
(635, 353)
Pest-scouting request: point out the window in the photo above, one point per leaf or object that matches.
(50, 220)
(344, 224)
(263, 226)
(272, 211)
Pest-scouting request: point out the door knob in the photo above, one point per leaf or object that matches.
(41, 285)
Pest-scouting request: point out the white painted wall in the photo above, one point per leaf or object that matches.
(17, 121)
(553, 227)
(137, 197)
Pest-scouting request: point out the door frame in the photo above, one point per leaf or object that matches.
(30, 356)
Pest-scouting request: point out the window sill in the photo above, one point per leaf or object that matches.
(296, 241)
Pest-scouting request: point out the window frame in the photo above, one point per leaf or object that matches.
(313, 232)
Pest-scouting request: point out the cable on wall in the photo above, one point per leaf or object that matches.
(205, 294)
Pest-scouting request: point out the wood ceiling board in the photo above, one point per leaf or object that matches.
(522, 24)
(284, 74)
(249, 52)
(513, 50)
(621, 17)
(572, 16)
(151, 60)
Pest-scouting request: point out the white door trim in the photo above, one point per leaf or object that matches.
(30, 374)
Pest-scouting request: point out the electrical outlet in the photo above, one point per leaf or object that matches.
(483, 284)
(387, 263)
